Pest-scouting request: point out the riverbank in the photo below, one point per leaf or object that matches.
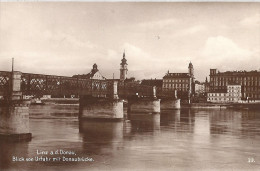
(205, 105)
(75, 101)
(245, 106)
(222, 105)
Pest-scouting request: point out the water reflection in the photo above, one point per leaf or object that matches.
(143, 122)
(100, 131)
(185, 139)
(234, 122)
(170, 118)
(182, 120)
(53, 111)
(212, 121)
(182, 139)
(224, 121)
(101, 140)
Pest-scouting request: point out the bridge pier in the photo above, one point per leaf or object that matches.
(168, 104)
(14, 113)
(144, 104)
(171, 103)
(14, 121)
(101, 108)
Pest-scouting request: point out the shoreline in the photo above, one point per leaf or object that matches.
(222, 105)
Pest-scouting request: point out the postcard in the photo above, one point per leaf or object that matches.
(129, 85)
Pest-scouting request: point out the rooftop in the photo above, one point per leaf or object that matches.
(89, 75)
(177, 75)
(241, 72)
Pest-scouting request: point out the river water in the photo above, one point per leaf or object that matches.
(186, 139)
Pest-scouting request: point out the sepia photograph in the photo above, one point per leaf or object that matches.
(129, 86)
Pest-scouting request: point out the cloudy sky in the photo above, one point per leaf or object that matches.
(68, 38)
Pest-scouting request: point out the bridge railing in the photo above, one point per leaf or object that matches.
(102, 88)
(129, 89)
(165, 92)
(5, 82)
(38, 84)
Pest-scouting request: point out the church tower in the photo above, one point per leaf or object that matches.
(191, 70)
(123, 68)
(94, 70)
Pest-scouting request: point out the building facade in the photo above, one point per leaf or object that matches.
(232, 95)
(182, 82)
(93, 74)
(177, 81)
(207, 86)
(199, 88)
(249, 81)
(123, 68)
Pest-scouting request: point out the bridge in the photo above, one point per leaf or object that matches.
(98, 99)
(40, 84)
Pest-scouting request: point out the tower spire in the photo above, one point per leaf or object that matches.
(123, 68)
(12, 64)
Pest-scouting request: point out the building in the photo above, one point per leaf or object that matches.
(182, 82)
(249, 81)
(199, 88)
(177, 81)
(207, 86)
(123, 68)
(153, 82)
(232, 94)
(94, 74)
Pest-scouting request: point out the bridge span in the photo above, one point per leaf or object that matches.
(40, 84)
(99, 99)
